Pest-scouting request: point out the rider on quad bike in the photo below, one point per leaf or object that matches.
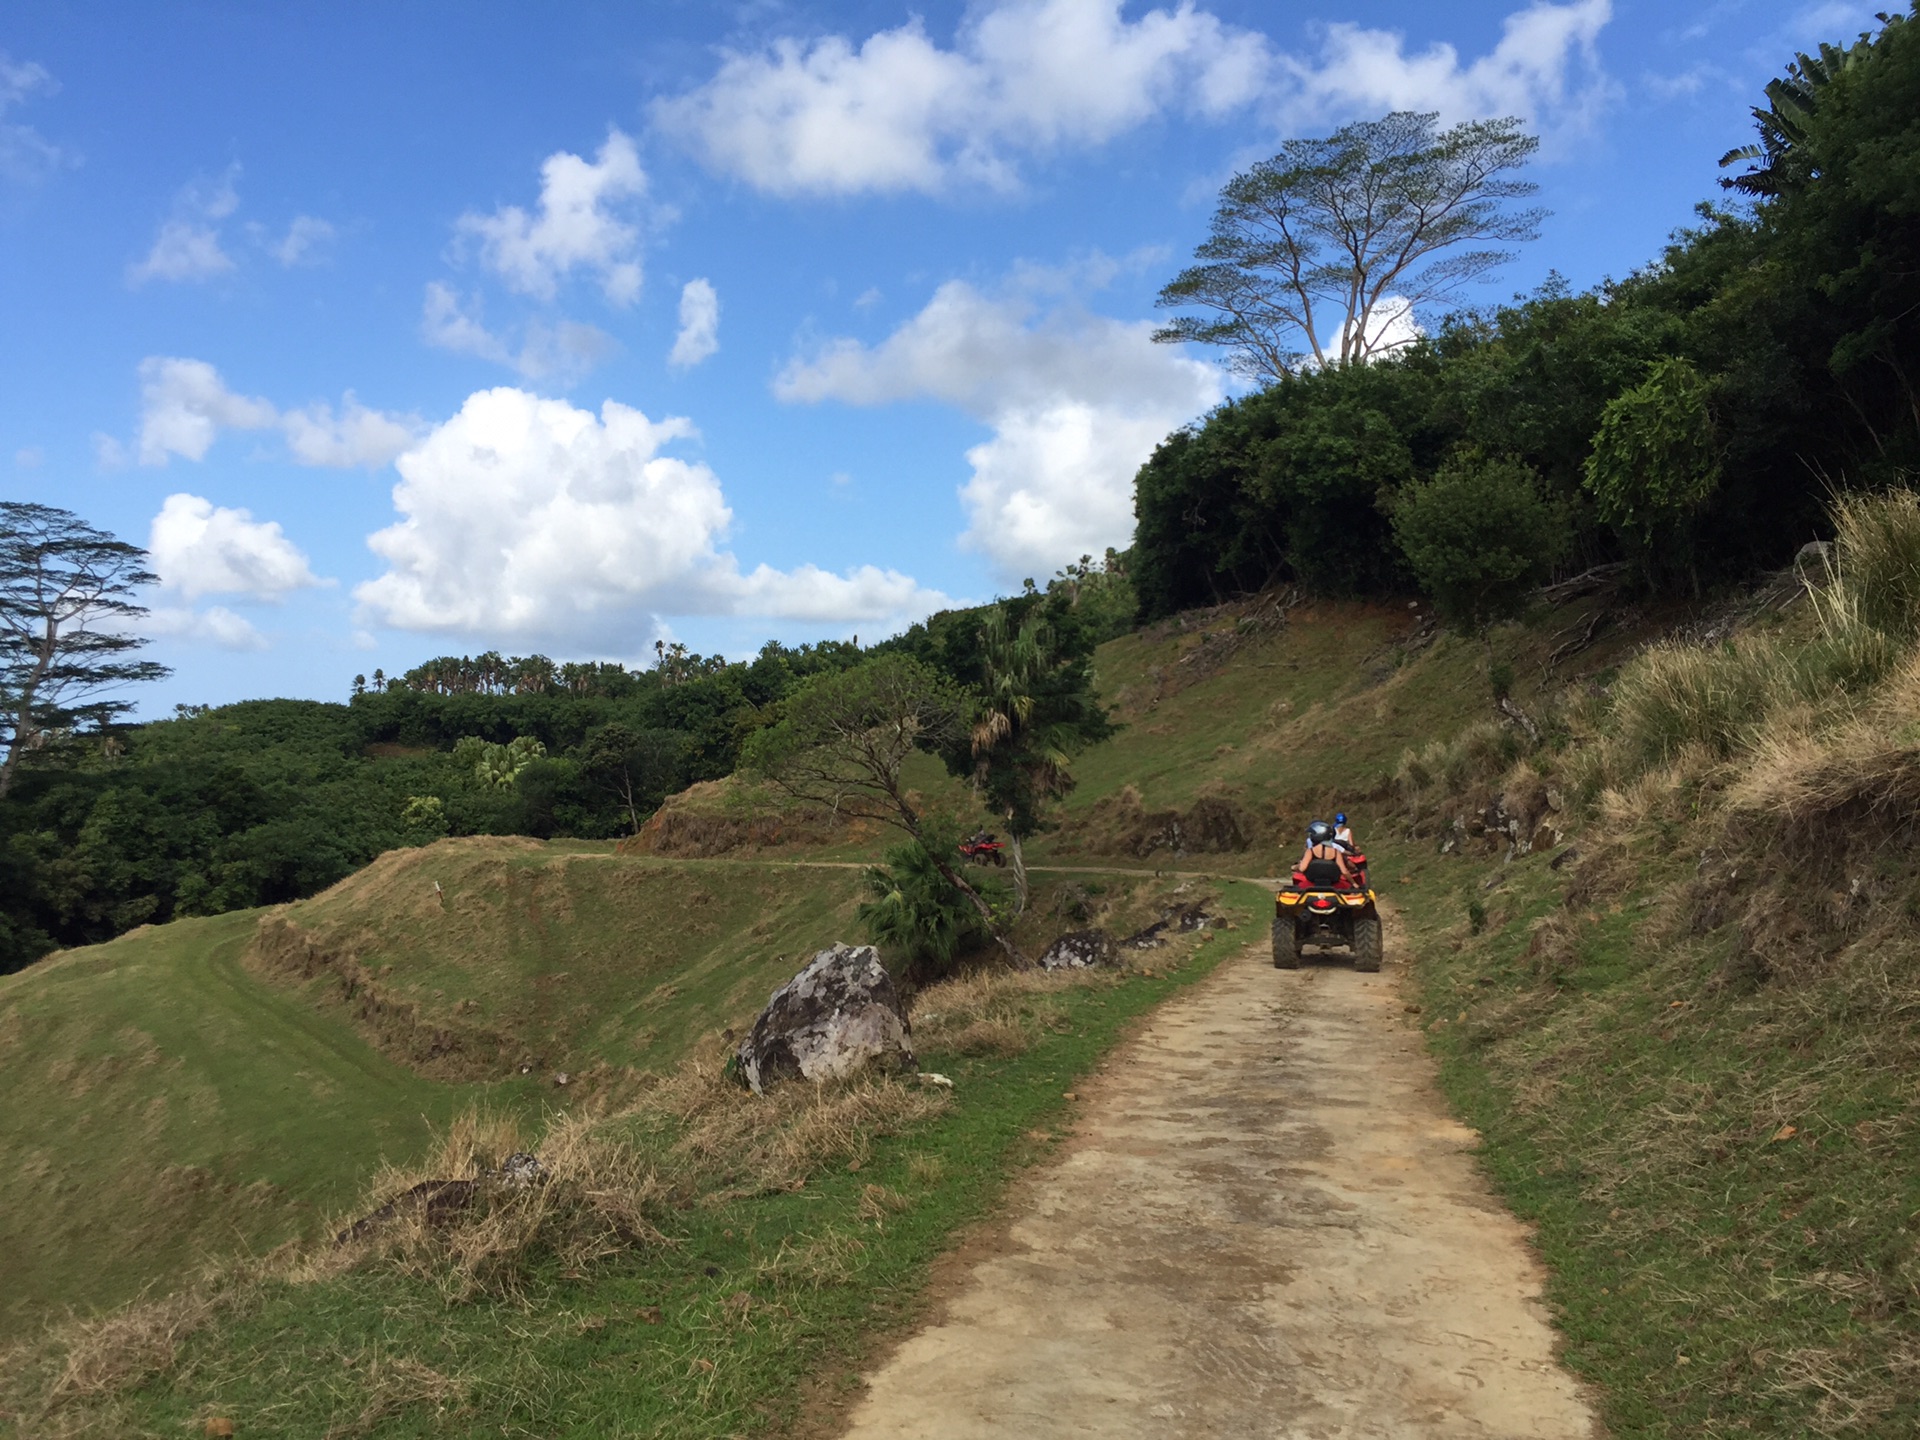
(983, 847)
(1328, 903)
(1324, 861)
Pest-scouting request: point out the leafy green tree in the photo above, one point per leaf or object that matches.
(1656, 460)
(843, 738)
(1099, 593)
(65, 602)
(1317, 256)
(498, 766)
(424, 818)
(637, 769)
(1479, 537)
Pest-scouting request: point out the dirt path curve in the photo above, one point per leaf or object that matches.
(1264, 1224)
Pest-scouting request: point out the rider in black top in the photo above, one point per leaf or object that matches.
(1324, 862)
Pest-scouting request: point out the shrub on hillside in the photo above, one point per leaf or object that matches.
(1479, 537)
(915, 914)
(1655, 462)
(1877, 545)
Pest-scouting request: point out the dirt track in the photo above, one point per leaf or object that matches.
(1265, 1224)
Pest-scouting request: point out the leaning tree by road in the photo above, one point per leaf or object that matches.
(843, 738)
(65, 602)
(1323, 254)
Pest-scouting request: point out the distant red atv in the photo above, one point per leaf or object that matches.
(1319, 913)
(983, 849)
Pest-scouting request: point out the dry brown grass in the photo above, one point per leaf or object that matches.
(996, 1011)
(119, 1350)
(596, 1200)
(723, 1142)
(399, 1383)
(68, 1383)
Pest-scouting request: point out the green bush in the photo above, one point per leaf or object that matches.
(915, 914)
(1655, 460)
(1479, 537)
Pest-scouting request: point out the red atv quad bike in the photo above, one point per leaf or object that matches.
(1343, 913)
(983, 850)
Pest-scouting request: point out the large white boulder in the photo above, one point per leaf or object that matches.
(838, 1014)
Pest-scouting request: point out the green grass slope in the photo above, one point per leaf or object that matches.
(474, 958)
(1282, 711)
(162, 1104)
(214, 1086)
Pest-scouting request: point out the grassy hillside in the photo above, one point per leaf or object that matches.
(474, 958)
(217, 1085)
(702, 1263)
(1282, 706)
(163, 1104)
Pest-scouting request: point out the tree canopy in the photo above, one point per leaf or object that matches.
(1322, 255)
(66, 605)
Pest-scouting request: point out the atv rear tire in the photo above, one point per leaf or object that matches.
(1286, 944)
(1366, 944)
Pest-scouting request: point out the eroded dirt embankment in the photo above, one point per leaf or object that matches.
(1265, 1224)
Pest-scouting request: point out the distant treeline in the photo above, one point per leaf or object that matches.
(1693, 417)
(270, 800)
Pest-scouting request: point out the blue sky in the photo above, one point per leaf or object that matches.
(400, 330)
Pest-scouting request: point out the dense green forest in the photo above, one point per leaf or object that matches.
(1690, 420)
(270, 800)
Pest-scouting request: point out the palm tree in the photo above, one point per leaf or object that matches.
(1015, 663)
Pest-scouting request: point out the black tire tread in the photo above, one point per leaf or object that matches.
(1367, 944)
(1286, 946)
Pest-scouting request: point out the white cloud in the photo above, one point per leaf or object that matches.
(25, 155)
(575, 228)
(29, 457)
(356, 436)
(526, 517)
(1545, 69)
(1076, 402)
(305, 236)
(188, 245)
(899, 113)
(183, 250)
(449, 324)
(216, 625)
(198, 548)
(184, 405)
(699, 333)
(561, 352)
(108, 453)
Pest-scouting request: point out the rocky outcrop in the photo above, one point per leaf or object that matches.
(1079, 950)
(837, 1015)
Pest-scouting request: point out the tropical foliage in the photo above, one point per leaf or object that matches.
(1692, 417)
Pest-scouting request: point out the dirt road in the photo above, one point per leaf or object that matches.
(1264, 1224)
